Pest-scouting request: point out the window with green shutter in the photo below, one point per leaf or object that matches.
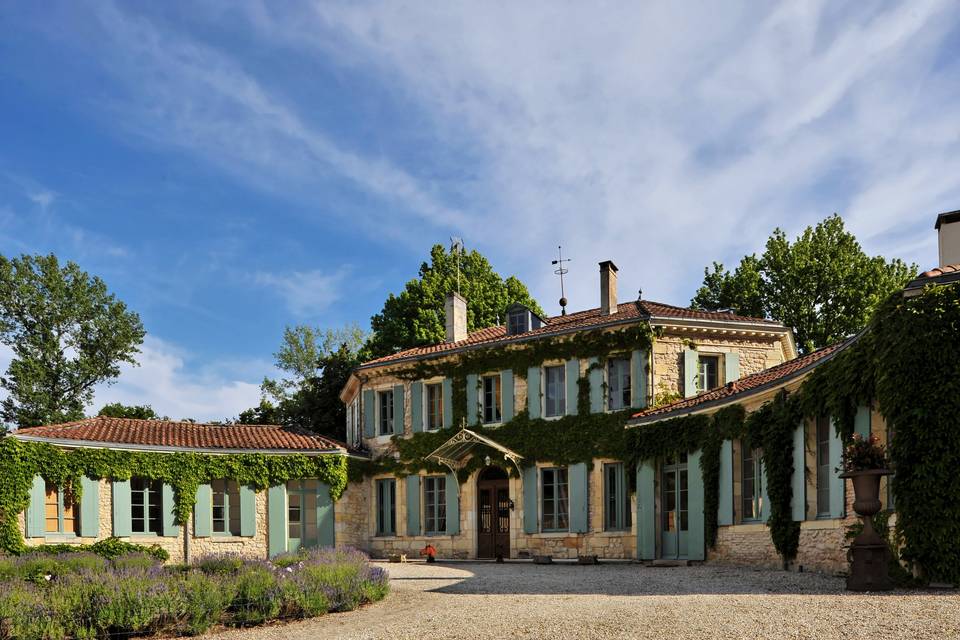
(555, 391)
(554, 500)
(61, 512)
(619, 385)
(435, 505)
(225, 506)
(434, 412)
(385, 412)
(146, 506)
(616, 498)
(751, 483)
(823, 466)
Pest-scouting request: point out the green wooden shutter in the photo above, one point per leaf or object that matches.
(646, 511)
(453, 505)
(861, 423)
(398, 411)
(764, 495)
(471, 398)
(170, 527)
(413, 505)
(326, 527)
(638, 379)
(248, 511)
(579, 497)
(35, 509)
(203, 512)
(725, 489)
(798, 481)
(506, 392)
(534, 401)
(691, 361)
(530, 507)
(696, 548)
(277, 519)
(416, 406)
(572, 374)
(90, 508)
(447, 403)
(731, 365)
(369, 413)
(837, 498)
(122, 525)
(597, 403)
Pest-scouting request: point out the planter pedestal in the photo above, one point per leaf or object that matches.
(869, 553)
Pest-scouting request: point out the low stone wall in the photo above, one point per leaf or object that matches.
(822, 546)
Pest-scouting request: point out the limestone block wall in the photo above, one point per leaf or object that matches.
(352, 514)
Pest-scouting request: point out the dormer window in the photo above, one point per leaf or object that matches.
(520, 320)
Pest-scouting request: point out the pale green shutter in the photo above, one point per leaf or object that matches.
(121, 508)
(472, 398)
(695, 534)
(170, 527)
(596, 386)
(861, 423)
(691, 362)
(764, 496)
(90, 508)
(837, 498)
(579, 503)
(530, 507)
(416, 406)
(638, 379)
(203, 512)
(248, 511)
(277, 519)
(725, 489)
(447, 403)
(798, 481)
(369, 413)
(506, 392)
(572, 375)
(731, 365)
(413, 505)
(35, 509)
(533, 392)
(453, 504)
(646, 512)
(398, 411)
(326, 526)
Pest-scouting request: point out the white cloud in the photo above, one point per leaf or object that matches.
(306, 293)
(43, 198)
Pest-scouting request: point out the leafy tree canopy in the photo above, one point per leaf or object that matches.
(416, 316)
(823, 284)
(140, 412)
(67, 333)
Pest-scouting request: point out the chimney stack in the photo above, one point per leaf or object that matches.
(948, 231)
(608, 288)
(456, 317)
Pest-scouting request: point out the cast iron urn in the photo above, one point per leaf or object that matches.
(869, 553)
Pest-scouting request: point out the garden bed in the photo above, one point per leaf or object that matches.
(85, 596)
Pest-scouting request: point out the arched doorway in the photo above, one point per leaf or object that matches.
(493, 513)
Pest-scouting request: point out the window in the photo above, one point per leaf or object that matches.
(555, 391)
(385, 399)
(751, 487)
(60, 512)
(517, 321)
(226, 507)
(386, 507)
(491, 399)
(434, 505)
(554, 503)
(145, 505)
(709, 377)
(823, 466)
(434, 407)
(618, 384)
(616, 498)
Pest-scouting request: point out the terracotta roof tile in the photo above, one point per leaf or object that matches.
(184, 435)
(942, 275)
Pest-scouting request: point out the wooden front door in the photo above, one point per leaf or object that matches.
(493, 514)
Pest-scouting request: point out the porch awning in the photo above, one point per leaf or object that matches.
(454, 452)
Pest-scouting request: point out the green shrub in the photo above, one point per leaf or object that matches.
(38, 568)
(135, 561)
(137, 603)
(257, 596)
(205, 602)
(113, 547)
(285, 560)
(220, 564)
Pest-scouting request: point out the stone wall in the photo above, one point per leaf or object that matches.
(352, 516)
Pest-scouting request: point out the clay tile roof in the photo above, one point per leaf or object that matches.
(730, 392)
(184, 435)
(938, 275)
(627, 311)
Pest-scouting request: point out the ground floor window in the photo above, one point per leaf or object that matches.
(386, 507)
(616, 498)
(435, 505)
(823, 466)
(751, 486)
(60, 511)
(226, 507)
(555, 503)
(146, 505)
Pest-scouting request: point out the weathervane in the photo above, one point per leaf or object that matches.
(560, 271)
(456, 248)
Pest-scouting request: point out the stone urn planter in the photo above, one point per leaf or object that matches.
(869, 553)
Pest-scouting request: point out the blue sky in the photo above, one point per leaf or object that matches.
(231, 168)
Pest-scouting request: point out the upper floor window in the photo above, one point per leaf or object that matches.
(435, 505)
(751, 487)
(823, 466)
(618, 384)
(146, 505)
(434, 397)
(60, 512)
(518, 321)
(226, 507)
(385, 400)
(555, 391)
(491, 399)
(386, 507)
(555, 503)
(709, 372)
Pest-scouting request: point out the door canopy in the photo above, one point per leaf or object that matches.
(455, 452)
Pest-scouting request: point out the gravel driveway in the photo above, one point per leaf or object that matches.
(479, 600)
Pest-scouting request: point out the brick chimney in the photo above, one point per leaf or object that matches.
(608, 288)
(948, 232)
(456, 316)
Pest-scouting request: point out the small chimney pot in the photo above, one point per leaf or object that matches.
(608, 288)
(455, 309)
(948, 232)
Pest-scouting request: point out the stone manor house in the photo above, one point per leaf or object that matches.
(699, 362)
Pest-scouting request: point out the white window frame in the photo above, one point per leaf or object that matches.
(719, 358)
(232, 516)
(379, 416)
(606, 378)
(498, 418)
(563, 389)
(425, 404)
(439, 506)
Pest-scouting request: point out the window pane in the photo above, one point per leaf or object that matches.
(562, 503)
(823, 465)
(555, 392)
(386, 412)
(618, 382)
(233, 501)
(434, 406)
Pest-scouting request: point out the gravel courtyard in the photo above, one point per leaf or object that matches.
(480, 600)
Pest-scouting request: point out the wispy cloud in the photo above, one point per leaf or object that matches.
(307, 293)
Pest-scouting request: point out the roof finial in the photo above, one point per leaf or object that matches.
(560, 271)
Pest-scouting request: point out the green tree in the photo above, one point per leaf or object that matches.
(416, 316)
(140, 412)
(823, 285)
(68, 334)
